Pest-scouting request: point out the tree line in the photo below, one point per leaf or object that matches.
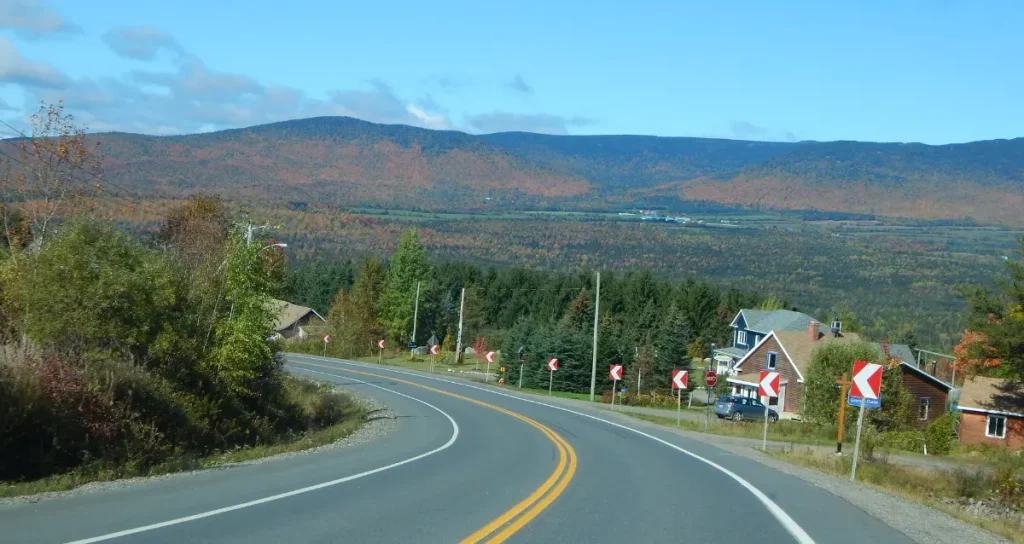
(645, 322)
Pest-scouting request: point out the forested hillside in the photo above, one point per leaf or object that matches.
(343, 161)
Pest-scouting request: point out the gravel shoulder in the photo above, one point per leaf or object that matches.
(380, 421)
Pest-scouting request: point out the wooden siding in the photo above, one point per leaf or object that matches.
(757, 360)
(973, 426)
(921, 387)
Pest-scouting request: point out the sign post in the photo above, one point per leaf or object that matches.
(434, 350)
(710, 379)
(767, 386)
(327, 340)
(843, 384)
(380, 355)
(614, 374)
(522, 362)
(865, 390)
(680, 381)
(490, 359)
(552, 367)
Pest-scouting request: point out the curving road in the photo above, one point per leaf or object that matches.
(466, 464)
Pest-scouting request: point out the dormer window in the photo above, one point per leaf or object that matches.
(741, 338)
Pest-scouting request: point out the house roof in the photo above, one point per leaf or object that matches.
(992, 395)
(287, 313)
(731, 352)
(913, 368)
(798, 346)
(899, 351)
(765, 321)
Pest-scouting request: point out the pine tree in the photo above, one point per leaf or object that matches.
(408, 265)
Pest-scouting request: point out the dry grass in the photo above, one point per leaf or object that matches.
(928, 487)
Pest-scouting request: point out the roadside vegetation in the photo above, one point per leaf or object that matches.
(122, 356)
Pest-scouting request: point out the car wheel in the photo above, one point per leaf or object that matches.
(773, 418)
(737, 416)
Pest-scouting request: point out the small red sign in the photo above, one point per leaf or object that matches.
(380, 344)
(615, 372)
(327, 338)
(489, 356)
(435, 349)
(711, 378)
(768, 384)
(552, 365)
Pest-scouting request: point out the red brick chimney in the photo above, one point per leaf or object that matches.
(812, 331)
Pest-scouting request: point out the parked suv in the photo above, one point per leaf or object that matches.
(739, 408)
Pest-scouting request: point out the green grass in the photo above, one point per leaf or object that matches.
(781, 431)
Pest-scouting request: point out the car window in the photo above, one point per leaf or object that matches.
(756, 403)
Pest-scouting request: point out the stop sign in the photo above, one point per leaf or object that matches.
(711, 378)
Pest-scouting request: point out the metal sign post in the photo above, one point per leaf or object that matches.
(679, 404)
(521, 375)
(856, 443)
(551, 380)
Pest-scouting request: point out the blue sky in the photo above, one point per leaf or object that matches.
(935, 71)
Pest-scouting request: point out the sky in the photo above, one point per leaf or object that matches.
(939, 71)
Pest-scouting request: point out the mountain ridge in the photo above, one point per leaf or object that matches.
(346, 161)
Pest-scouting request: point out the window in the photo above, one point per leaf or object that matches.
(996, 427)
(756, 403)
(773, 359)
(741, 338)
(923, 404)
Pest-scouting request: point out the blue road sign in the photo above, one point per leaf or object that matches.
(871, 403)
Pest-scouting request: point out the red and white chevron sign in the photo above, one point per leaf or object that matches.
(768, 385)
(327, 338)
(680, 379)
(435, 349)
(615, 372)
(552, 365)
(867, 380)
(380, 344)
(489, 356)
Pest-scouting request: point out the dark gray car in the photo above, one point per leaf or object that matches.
(740, 408)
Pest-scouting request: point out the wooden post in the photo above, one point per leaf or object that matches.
(843, 383)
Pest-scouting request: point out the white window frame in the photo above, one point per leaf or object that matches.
(988, 424)
(768, 362)
(925, 402)
(741, 338)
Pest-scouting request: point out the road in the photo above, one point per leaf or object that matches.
(465, 464)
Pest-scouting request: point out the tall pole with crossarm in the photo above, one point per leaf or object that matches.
(593, 365)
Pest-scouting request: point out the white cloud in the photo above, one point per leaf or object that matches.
(14, 68)
(33, 19)
(429, 120)
(141, 42)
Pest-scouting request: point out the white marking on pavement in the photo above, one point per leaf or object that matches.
(279, 496)
(787, 522)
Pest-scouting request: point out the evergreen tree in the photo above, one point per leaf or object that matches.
(408, 266)
(994, 342)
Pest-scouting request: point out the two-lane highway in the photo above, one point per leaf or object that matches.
(467, 463)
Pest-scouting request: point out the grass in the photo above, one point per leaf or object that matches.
(350, 417)
(781, 431)
(928, 487)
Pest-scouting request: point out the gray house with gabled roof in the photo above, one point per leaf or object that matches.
(752, 326)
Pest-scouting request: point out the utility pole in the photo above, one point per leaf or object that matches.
(415, 312)
(458, 341)
(843, 384)
(593, 365)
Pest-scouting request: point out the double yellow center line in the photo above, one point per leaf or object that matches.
(505, 525)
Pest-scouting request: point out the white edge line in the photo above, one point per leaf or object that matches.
(279, 496)
(787, 522)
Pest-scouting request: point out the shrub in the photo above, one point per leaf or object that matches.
(940, 434)
(971, 483)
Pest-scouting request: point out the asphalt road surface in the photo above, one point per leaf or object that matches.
(466, 464)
